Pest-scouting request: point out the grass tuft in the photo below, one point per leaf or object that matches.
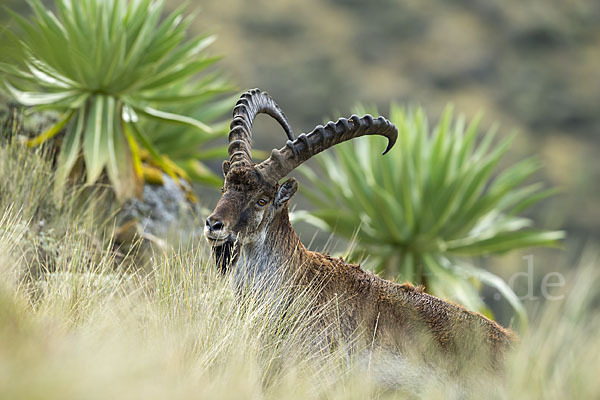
(75, 324)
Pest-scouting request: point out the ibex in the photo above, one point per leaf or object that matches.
(251, 235)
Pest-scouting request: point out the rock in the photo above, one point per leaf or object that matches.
(163, 212)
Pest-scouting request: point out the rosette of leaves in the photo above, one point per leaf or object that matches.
(184, 146)
(109, 67)
(434, 201)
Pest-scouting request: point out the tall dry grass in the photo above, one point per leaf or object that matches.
(75, 323)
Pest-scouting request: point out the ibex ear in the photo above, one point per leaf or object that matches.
(225, 167)
(285, 192)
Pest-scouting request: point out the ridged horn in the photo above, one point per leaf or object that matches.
(283, 161)
(250, 104)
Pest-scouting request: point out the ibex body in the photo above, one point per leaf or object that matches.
(252, 237)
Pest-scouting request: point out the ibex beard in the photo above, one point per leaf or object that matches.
(251, 235)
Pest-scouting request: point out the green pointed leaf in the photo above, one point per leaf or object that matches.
(451, 286)
(16, 72)
(198, 97)
(120, 167)
(135, 154)
(52, 131)
(173, 118)
(219, 153)
(38, 98)
(435, 195)
(200, 173)
(509, 241)
(95, 139)
(496, 282)
(178, 72)
(69, 151)
(134, 130)
(90, 54)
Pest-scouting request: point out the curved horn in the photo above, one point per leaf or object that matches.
(250, 104)
(283, 161)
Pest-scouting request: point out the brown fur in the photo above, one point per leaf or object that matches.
(382, 315)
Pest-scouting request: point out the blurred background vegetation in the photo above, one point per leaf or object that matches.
(531, 67)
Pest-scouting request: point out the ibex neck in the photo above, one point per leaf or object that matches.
(272, 258)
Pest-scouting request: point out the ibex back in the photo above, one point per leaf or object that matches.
(252, 237)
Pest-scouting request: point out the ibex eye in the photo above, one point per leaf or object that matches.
(262, 202)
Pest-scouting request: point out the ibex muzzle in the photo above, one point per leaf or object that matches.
(251, 234)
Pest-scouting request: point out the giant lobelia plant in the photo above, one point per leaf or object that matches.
(437, 199)
(110, 66)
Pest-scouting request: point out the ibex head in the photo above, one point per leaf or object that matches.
(252, 196)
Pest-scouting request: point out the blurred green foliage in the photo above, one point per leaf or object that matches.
(84, 326)
(531, 66)
(109, 67)
(437, 196)
(183, 144)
